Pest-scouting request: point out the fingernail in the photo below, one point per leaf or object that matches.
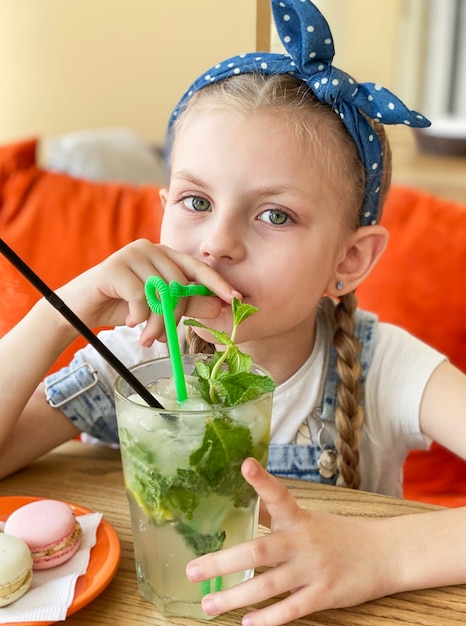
(246, 621)
(250, 467)
(208, 606)
(193, 572)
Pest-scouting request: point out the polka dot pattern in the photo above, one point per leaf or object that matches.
(308, 41)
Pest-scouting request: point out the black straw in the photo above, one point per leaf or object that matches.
(74, 320)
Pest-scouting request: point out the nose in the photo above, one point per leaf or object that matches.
(223, 240)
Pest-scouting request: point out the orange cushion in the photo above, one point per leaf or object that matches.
(16, 156)
(61, 226)
(418, 284)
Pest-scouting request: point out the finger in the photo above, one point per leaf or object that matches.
(285, 610)
(154, 330)
(130, 289)
(265, 551)
(133, 265)
(250, 554)
(199, 272)
(206, 307)
(261, 587)
(280, 504)
(145, 259)
(148, 259)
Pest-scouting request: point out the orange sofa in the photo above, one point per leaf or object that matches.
(62, 225)
(419, 284)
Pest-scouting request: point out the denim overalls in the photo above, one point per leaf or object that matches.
(301, 461)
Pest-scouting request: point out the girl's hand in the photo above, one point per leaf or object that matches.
(112, 293)
(317, 560)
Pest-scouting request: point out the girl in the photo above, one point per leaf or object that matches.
(276, 188)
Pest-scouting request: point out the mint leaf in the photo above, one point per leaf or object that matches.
(218, 461)
(241, 311)
(237, 361)
(219, 335)
(203, 368)
(201, 544)
(234, 389)
(225, 445)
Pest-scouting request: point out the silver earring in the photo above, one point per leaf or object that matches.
(340, 285)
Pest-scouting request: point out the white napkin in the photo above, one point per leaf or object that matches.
(52, 590)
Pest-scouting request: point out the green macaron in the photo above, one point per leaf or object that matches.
(15, 568)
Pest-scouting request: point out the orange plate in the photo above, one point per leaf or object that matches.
(103, 564)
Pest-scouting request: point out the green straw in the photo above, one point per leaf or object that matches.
(213, 584)
(165, 305)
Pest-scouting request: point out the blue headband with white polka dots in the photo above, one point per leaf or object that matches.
(306, 36)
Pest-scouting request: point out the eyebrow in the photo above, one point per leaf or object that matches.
(261, 191)
(188, 176)
(276, 190)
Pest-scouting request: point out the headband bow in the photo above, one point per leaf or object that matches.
(308, 41)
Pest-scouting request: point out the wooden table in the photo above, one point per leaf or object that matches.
(92, 477)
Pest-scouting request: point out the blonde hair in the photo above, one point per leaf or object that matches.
(300, 108)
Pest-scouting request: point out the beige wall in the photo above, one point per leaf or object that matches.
(372, 43)
(78, 64)
(366, 34)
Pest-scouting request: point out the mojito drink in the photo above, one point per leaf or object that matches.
(186, 493)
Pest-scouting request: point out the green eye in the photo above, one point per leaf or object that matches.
(197, 203)
(275, 217)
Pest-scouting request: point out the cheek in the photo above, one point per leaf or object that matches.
(166, 235)
(287, 275)
(174, 235)
(291, 288)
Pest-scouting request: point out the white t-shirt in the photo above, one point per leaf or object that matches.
(396, 379)
(400, 368)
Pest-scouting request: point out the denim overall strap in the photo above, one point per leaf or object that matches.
(364, 331)
(302, 461)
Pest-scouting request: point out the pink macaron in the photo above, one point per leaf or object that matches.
(49, 528)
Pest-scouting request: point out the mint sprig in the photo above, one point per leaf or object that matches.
(227, 379)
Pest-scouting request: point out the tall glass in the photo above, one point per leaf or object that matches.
(186, 494)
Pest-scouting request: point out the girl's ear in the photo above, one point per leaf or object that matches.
(365, 247)
(163, 194)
